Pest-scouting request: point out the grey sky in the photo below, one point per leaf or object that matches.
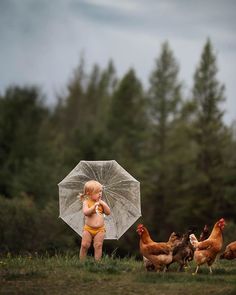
(41, 40)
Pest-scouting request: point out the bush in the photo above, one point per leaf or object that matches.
(25, 227)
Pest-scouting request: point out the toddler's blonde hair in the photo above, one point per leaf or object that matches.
(91, 187)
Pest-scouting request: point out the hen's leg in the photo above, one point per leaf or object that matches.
(186, 264)
(194, 273)
(210, 270)
(181, 266)
(167, 266)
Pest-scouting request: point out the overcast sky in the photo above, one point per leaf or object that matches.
(41, 40)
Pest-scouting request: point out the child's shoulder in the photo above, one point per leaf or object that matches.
(86, 200)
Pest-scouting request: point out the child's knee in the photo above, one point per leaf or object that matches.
(85, 245)
(97, 245)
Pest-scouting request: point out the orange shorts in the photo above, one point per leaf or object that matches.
(94, 230)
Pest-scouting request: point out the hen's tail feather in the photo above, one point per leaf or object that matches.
(193, 240)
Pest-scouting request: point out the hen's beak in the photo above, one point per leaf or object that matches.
(139, 230)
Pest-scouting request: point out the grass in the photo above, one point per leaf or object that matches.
(66, 274)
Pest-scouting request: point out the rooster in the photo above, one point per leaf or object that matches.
(207, 250)
(159, 254)
(230, 251)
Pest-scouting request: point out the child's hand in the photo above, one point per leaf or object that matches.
(97, 204)
(102, 202)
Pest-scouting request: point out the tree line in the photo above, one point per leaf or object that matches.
(178, 147)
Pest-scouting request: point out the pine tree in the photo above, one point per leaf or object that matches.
(26, 161)
(82, 113)
(228, 208)
(164, 98)
(127, 123)
(210, 135)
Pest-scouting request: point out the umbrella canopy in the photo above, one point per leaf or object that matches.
(121, 192)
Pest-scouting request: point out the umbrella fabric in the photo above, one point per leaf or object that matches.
(121, 192)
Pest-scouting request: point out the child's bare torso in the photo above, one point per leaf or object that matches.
(94, 220)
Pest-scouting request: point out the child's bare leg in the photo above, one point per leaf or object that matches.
(97, 244)
(85, 244)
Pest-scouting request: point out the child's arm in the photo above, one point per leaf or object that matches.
(106, 208)
(88, 211)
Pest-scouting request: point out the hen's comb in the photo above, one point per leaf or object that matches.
(222, 222)
(140, 225)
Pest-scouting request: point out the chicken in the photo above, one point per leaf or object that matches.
(183, 252)
(204, 234)
(149, 265)
(230, 251)
(159, 254)
(207, 250)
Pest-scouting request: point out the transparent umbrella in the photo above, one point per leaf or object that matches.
(121, 192)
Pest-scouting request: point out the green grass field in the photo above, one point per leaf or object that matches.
(65, 274)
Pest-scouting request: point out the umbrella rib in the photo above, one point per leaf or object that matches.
(71, 207)
(86, 163)
(108, 201)
(71, 173)
(120, 196)
(121, 234)
(119, 182)
(69, 181)
(109, 168)
(136, 209)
